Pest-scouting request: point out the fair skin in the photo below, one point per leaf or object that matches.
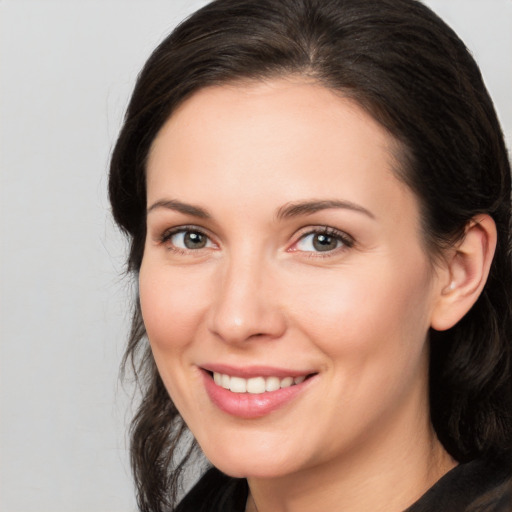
(281, 244)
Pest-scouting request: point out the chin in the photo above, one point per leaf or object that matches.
(265, 469)
(240, 461)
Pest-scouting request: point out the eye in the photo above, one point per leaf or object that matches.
(187, 239)
(326, 240)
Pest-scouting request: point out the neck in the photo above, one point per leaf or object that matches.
(385, 474)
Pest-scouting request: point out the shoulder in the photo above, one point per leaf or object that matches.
(215, 492)
(478, 486)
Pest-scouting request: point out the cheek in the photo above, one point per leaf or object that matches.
(172, 304)
(362, 315)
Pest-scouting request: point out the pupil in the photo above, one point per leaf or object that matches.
(194, 240)
(324, 243)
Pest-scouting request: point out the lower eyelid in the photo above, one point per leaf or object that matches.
(165, 240)
(344, 239)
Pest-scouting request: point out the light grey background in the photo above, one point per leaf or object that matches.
(66, 71)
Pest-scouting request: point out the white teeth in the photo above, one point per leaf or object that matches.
(255, 385)
(287, 382)
(238, 385)
(272, 383)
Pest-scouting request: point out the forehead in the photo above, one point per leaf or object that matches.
(283, 110)
(286, 139)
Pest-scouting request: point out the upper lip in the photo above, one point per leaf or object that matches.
(247, 372)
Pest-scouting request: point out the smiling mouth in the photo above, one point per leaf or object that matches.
(254, 392)
(256, 385)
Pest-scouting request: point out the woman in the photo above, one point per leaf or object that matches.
(317, 195)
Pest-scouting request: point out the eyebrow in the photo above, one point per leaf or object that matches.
(186, 209)
(284, 212)
(310, 207)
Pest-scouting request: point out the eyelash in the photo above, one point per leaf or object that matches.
(168, 234)
(346, 240)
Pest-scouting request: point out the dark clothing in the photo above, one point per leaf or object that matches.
(216, 492)
(477, 486)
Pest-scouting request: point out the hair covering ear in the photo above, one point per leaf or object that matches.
(468, 269)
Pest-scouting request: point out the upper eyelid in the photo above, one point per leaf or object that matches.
(323, 230)
(347, 239)
(164, 235)
(186, 227)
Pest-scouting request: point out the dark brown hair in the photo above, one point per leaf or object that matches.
(412, 74)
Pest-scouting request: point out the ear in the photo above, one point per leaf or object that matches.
(465, 274)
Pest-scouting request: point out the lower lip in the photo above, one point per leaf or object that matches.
(249, 405)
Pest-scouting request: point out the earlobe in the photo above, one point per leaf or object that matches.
(466, 272)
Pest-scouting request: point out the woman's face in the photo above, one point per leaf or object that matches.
(284, 287)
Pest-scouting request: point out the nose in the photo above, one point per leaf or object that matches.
(245, 304)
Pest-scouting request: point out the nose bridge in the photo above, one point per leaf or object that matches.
(244, 306)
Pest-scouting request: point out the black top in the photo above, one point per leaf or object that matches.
(477, 486)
